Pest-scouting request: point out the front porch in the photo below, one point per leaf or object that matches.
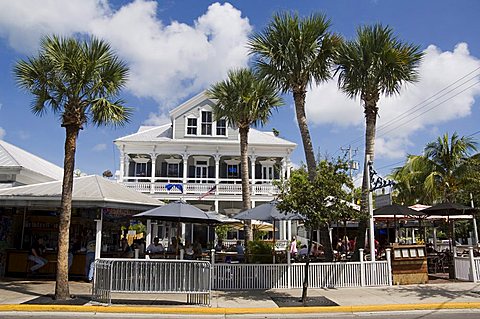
(194, 176)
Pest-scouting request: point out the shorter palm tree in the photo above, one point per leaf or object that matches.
(444, 170)
(244, 100)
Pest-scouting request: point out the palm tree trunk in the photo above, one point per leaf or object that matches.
(299, 98)
(246, 200)
(306, 269)
(371, 112)
(62, 291)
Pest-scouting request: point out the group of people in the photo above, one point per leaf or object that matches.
(37, 251)
(238, 248)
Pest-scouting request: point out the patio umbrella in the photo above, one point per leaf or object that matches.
(267, 212)
(397, 211)
(179, 211)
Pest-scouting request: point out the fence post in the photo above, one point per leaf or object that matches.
(389, 265)
(289, 270)
(212, 256)
(472, 264)
(362, 268)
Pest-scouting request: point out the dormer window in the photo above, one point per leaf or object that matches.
(191, 126)
(206, 123)
(222, 127)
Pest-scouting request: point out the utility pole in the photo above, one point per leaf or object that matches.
(352, 165)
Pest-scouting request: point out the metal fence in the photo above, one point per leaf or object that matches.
(192, 278)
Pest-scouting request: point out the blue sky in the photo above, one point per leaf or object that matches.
(175, 49)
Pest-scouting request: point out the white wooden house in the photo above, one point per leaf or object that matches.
(197, 159)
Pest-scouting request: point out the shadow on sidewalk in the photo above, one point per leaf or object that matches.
(21, 286)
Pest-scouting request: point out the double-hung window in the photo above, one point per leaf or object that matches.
(172, 170)
(222, 127)
(206, 123)
(191, 126)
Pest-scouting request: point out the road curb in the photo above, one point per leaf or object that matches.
(231, 311)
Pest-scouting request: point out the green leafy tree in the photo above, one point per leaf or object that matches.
(320, 201)
(79, 81)
(244, 100)
(376, 63)
(444, 173)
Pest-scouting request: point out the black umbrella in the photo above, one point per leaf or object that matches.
(449, 209)
(179, 211)
(267, 212)
(395, 209)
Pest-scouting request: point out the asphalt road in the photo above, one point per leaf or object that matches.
(430, 314)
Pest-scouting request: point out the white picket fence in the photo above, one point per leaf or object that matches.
(467, 267)
(285, 276)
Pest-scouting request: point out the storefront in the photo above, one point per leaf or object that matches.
(31, 212)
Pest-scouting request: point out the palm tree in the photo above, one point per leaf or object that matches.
(77, 80)
(375, 63)
(244, 99)
(293, 53)
(444, 170)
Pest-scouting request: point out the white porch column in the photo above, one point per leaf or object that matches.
(253, 158)
(98, 237)
(284, 168)
(148, 237)
(153, 157)
(185, 169)
(216, 206)
(288, 166)
(289, 229)
(122, 165)
(183, 231)
(217, 168)
(154, 229)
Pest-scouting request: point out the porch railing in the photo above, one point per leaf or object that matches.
(199, 188)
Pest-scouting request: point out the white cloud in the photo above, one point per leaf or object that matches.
(99, 147)
(23, 135)
(168, 62)
(326, 104)
(2, 133)
(157, 119)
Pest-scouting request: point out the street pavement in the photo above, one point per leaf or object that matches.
(36, 295)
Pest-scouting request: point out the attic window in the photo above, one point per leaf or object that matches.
(206, 123)
(222, 127)
(191, 126)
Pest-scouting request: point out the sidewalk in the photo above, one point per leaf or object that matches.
(35, 295)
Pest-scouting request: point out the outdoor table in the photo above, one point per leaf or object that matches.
(222, 256)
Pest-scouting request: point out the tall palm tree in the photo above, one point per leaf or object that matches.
(293, 53)
(375, 63)
(244, 100)
(444, 170)
(79, 81)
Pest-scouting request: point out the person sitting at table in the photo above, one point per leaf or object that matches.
(303, 251)
(189, 251)
(35, 255)
(197, 250)
(240, 251)
(155, 248)
(219, 246)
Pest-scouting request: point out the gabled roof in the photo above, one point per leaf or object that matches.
(164, 133)
(14, 157)
(93, 190)
(187, 105)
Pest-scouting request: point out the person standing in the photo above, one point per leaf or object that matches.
(90, 260)
(35, 255)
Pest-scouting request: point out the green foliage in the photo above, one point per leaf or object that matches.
(322, 200)
(445, 172)
(244, 99)
(77, 79)
(260, 252)
(259, 234)
(138, 228)
(221, 231)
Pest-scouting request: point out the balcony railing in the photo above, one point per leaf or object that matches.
(198, 186)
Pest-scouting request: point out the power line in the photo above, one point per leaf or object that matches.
(406, 113)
